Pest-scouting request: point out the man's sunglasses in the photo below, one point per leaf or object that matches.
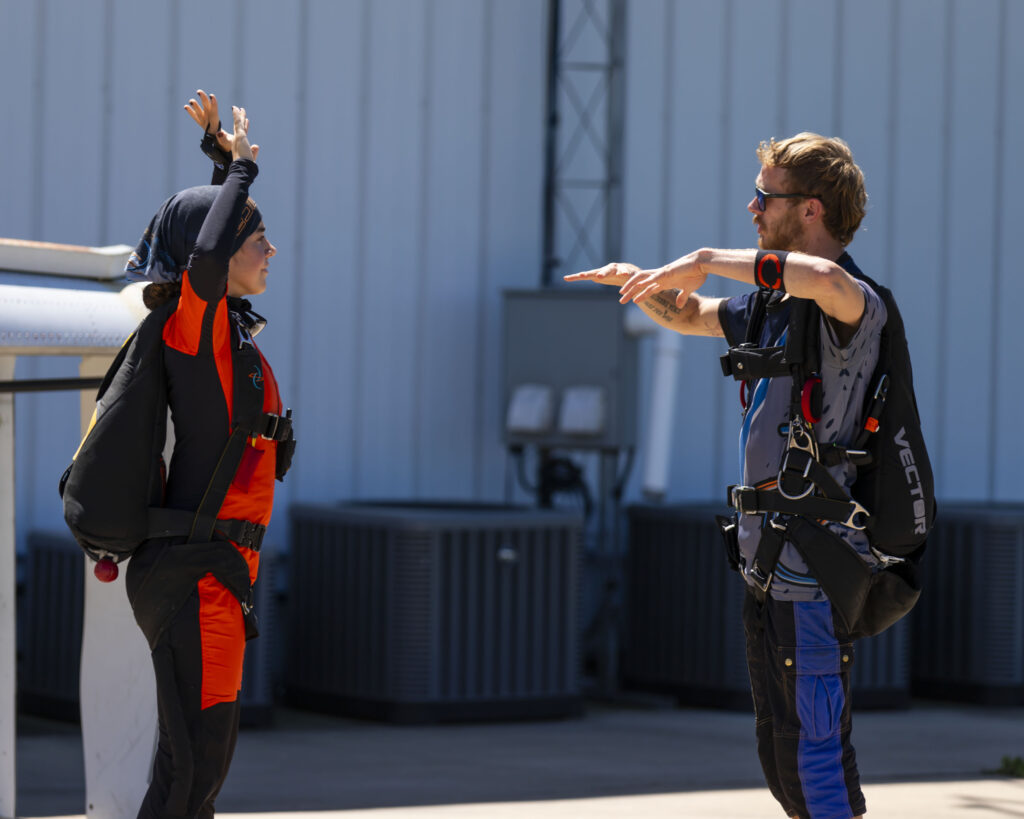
(763, 196)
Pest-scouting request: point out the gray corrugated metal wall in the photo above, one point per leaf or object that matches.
(401, 180)
(929, 95)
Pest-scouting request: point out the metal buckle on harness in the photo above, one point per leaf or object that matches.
(885, 559)
(268, 435)
(857, 510)
(805, 475)
(737, 494)
(799, 437)
(761, 580)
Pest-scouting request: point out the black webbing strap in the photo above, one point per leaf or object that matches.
(807, 489)
(839, 570)
(248, 420)
(177, 522)
(749, 500)
(762, 569)
(217, 489)
(803, 353)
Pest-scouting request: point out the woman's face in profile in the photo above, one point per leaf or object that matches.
(249, 267)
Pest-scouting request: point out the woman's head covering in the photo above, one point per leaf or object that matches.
(166, 246)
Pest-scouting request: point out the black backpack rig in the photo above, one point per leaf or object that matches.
(113, 491)
(893, 497)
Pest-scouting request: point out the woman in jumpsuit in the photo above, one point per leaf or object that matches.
(206, 247)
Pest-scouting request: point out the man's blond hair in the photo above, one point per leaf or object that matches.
(822, 167)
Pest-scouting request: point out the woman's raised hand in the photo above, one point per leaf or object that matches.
(206, 115)
(240, 148)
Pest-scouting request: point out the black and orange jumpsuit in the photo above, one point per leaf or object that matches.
(198, 655)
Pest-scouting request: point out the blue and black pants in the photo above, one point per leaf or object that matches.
(799, 657)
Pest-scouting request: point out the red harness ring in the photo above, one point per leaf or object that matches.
(810, 399)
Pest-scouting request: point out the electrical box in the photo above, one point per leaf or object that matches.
(573, 342)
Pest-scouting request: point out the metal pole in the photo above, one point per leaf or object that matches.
(549, 262)
(49, 384)
(8, 647)
(616, 126)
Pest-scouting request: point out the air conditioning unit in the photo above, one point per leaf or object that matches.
(434, 612)
(51, 652)
(684, 631)
(969, 623)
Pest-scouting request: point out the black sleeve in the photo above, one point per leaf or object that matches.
(220, 158)
(733, 315)
(208, 267)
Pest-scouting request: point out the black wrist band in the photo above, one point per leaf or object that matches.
(212, 149)
(768, 267)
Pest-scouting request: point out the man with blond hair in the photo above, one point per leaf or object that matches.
(809, 201)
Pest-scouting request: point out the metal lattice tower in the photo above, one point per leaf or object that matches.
(585, 115)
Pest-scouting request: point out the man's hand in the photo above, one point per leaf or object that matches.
(616, 274)
(685, 275)
(206, 115)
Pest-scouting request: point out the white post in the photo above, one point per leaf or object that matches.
(8, 648)
(657, 443)
(118, 690)
(662, 419)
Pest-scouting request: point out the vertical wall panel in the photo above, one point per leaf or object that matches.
(203, 37)
(18, 131)
(810, 50)
(968, 287)
(448, 279)
(1007, 397)
(647, 232)
(920, 181)
(697, 216)
(146, 119)
(332, 248)
(512, 236)
(385, 289)
(69, 131)
(863, 113)
(647, 147)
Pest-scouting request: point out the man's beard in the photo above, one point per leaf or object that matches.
(785, 235)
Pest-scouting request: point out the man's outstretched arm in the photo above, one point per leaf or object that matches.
(696, 315)
(834, 290)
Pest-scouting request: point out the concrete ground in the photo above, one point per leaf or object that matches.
(933, 760)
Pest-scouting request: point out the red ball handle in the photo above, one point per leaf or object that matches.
(105, 570)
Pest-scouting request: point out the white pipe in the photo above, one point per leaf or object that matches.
(104, 263)
(64, 321)
(8, 649)
(668, 349)
(657, 444)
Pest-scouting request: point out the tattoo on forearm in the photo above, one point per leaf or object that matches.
(663, 305)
